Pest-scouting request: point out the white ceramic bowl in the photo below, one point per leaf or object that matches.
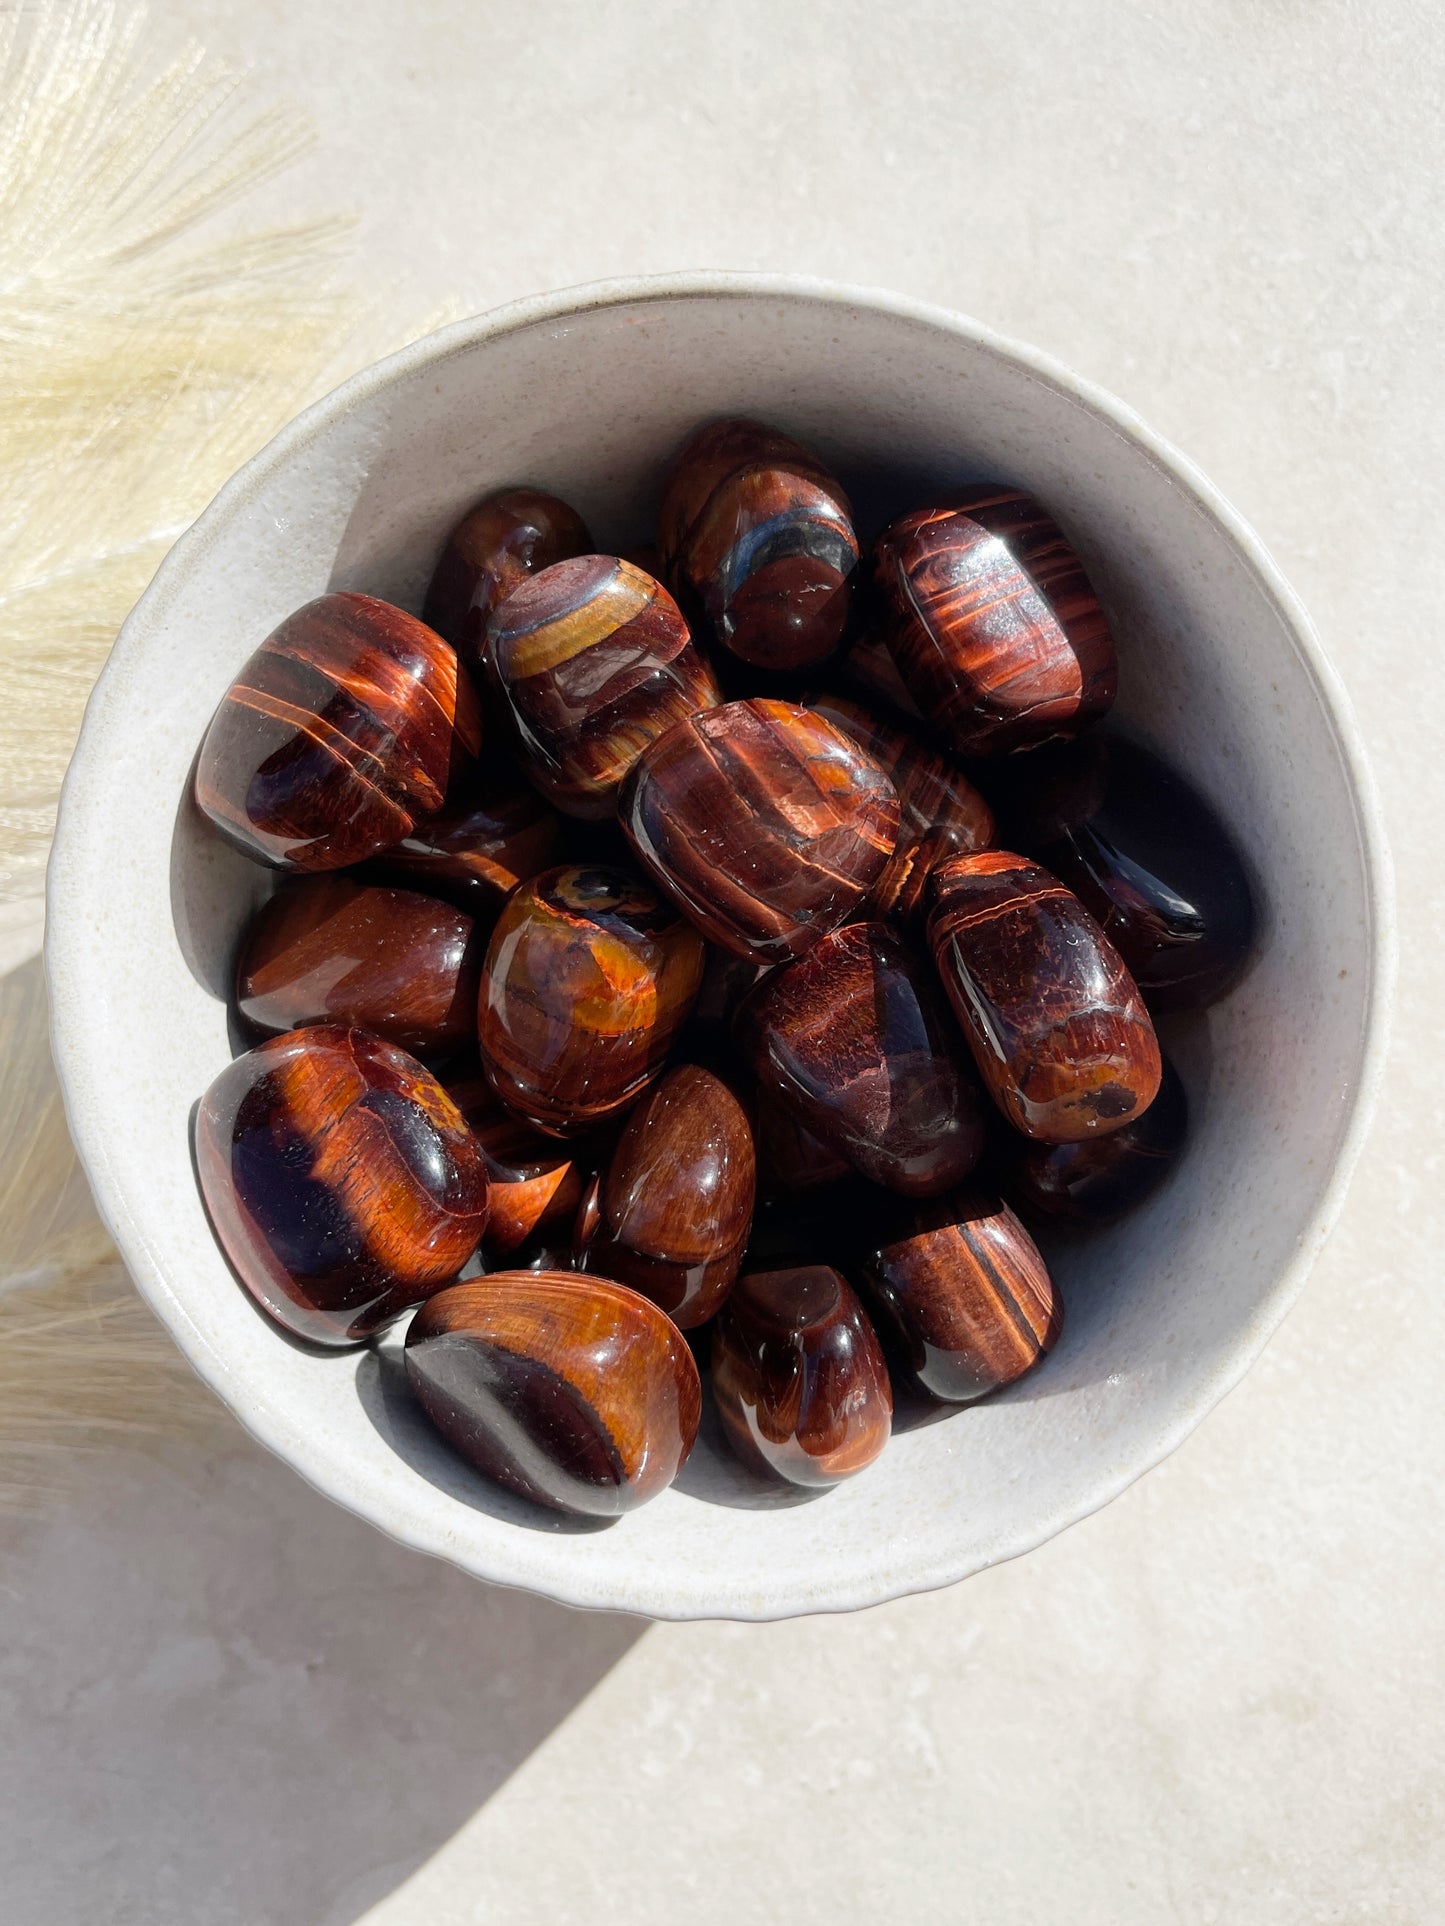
(587, 393)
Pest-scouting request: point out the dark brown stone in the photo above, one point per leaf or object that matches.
(343, 730)
(574, 1392)
(766, 823)
(341, 1179)
(799, 1377)
(1057, 1028)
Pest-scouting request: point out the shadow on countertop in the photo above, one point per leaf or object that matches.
(228, 1703)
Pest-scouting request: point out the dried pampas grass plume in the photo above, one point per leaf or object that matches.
(145, 352)
(148, 345)
(83, 1364)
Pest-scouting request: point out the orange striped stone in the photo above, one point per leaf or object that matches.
(572, 1391)
(757, 539)
(993, 624)
(345, 728)
(594, 660)
(341, 1179)
(961, 1294)
(766, 823)
(1056, 1024)
(588, 978)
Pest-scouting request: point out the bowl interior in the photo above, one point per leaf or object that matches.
(1163, 1313)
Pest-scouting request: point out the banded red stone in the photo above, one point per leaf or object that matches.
(765, 823)
(595, 662)
(993, 624)
(943, 814)
(1055, 1022)
(757, 536)
(341, 1179)
(799, 1376)
(344, 728)
(588, 978)
(569, 1390)
(854, 1041)
(508, 536)
(392, 961)
(676, 1200)
(960, 1291)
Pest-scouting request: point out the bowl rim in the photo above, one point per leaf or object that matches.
(82, 792)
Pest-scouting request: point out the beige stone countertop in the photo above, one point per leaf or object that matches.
(226, 1703)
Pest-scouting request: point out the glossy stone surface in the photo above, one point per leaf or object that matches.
(588, 978)
(1057, 1028)
(595, 661)
(961, 1296)
(1106, 1177)
(1146, 855)
(790, 1157)
(570, 1390)
(676, 1199)
(534, 1183)
(757, 536)
(494, 833)
(342, 1181)
(992, 622)
(326, 949)
(495, 547)
(799, 1377)
(943, 814)
(854, 1040)
(343, 730)
(766, 823)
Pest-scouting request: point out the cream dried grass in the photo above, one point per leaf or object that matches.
(140, 359)
(147, 346)
(83, 1364)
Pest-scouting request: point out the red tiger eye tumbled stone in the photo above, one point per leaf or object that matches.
(960, 1290)
(766, 823)
(942, 814)
(494, 833)
(755, 532)
(341, 1179)
(571, 1390)
(594, 659)
(799, 1377)
(993, 624)
(676, 1198)
(342, 730)
(588, 978)
(1057, 1028)
(325, 949)
(1102, 1179)
(497, 545)
(852, 1039)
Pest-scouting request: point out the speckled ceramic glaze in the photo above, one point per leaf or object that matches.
(590, 392)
